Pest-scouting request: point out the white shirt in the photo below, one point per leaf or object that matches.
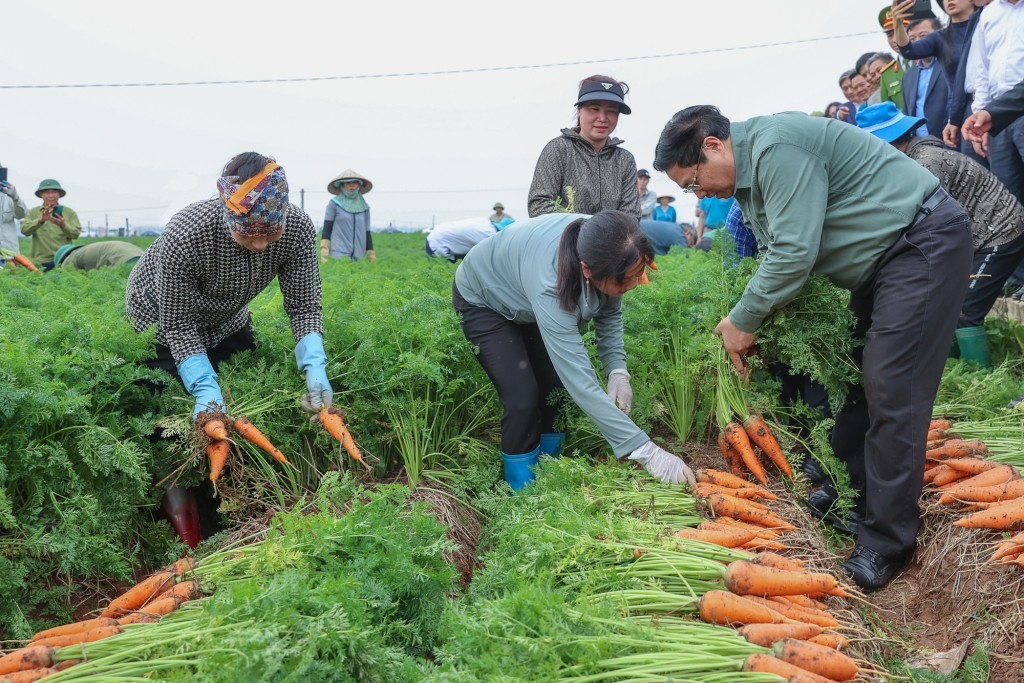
(454, 239)
(999, 42)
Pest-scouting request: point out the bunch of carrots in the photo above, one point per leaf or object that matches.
(740, 429)
(51, 650)
(217, 427)
(993, 493)
(20, 260)
(741, 519)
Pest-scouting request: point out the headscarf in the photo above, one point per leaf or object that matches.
(350, 200)
(259, 206)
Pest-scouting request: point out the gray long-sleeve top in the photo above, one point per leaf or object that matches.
(599, 180)
(514, 273)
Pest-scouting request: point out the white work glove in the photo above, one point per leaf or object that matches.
(663, 465)
(620, 391)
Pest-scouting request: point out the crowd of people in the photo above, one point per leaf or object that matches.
(907, 194)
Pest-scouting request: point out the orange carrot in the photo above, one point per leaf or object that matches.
(158, 608)
(759, 433)
(74, 627)
(939, 423)
(720, 478)
(770, 665)
(89, 636)
(726, 609)
(66, 664)
(182, 592)
(758, 544)
(216, 429)
(767, 635)
(137, 596)
(948, 477)
(1008, 549)
(798, 614)
(779, 562)
(739, 440)
(29, 675)
(833, 641)
(984, 494)
(956, 448)
(732, 458)
(183, 566)
(331, 419)
(803, 601)
(217, 452)
(931, 473)
(727, 537)
(738, 508)
(747, 578)
(1005, 516)
(23, 261)
(817, 659)
(970, 465)
(247, 430)
(937, 435)
(33, 657)
(761, 531)
(991, 477)
(704, 489)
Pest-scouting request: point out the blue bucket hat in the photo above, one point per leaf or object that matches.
(603, 91)
(887, 122)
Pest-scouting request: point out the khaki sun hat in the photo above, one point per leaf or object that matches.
(334, 187)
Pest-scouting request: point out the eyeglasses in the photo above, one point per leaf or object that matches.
(694, 186)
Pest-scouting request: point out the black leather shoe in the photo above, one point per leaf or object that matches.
(814, 473)
(869, 570)
(820, 504)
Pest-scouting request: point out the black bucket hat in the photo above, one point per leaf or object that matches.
(603, 91)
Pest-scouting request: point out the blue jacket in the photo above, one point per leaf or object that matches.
(936, 98)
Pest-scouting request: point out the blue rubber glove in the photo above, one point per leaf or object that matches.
(309, 354)
(200, 380)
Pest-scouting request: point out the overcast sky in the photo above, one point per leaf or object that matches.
(437, 147)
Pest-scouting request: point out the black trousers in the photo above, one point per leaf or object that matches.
(239, 341)
(516, 360)
(1006, 157)
(906, 313)
(992, 267)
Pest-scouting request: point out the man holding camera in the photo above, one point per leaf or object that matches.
(12, 207)
(51, 225)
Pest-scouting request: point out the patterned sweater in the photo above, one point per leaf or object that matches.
(996, 215)
(195, 282)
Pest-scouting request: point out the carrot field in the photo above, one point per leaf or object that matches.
(390, 549)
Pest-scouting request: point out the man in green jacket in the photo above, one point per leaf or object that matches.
(51, 225)
(824, 197)
(105, 254)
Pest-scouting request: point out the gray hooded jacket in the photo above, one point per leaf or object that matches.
(996, 216)
(570, 167)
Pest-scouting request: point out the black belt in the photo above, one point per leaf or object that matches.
(930, 204)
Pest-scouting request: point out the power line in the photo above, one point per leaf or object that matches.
(445, 72)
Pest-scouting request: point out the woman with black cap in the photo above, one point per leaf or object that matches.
(585, 170)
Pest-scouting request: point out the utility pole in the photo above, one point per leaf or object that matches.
(302, 199)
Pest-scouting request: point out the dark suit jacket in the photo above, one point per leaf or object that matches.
(1006, 108)
(958, 99)
(936, 97)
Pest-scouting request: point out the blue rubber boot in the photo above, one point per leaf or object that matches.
(517, 468)
(552, 443)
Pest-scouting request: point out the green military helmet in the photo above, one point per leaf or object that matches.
(63, 251)
(50, 184)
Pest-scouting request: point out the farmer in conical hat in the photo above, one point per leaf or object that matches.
(347, 220)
